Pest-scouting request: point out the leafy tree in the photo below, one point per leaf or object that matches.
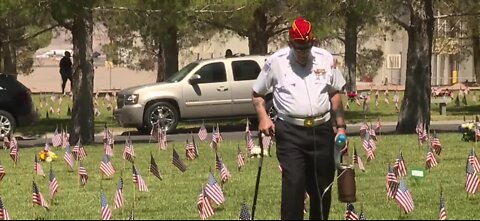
(77, 17)
(163, 27)
(416, 17)
(465, 13)
(259, 20)
(346, 21)
(22, 23)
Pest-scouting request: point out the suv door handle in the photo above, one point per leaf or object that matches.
(222, 88)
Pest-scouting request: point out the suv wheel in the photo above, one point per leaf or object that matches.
(163, 113)
(7, 123)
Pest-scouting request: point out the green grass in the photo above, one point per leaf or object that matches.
(384, 111)
(175, 197)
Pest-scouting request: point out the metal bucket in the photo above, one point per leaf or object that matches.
(346, 184)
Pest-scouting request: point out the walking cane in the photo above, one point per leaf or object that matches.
(260, 137)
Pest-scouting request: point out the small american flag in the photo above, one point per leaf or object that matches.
(214, 191)
(190, 151)
(472, 182)
(14, 154)
(197, 153)
(6, 142)
(404, 198)
(431, 161)
(79, 151)
(65, 137)
(204, 206)
(108, 137)
(363, 129)
(178, 162)
(106, 212)
(138, 180)
(154, 168)
(218, 162)
(472, 158)
(119, 194)
(37, 167)
(57, 138)
(3, 212)
(443, 212)
(106, 166)
(244, 213)
(108, 149)
(224, 173)
(155, 132)
(378, 126)
(2, 172)
(37, 197)
(373, 134)
(163, 142)
(367, 146)
(250, 144)
(267, 143)
(82, 172)
(129, 151)
(214, 142)
(202, 132)
(391, 182)
(436, 144)
(53, 185)
(358, 160)
(400, 167)
(68, 157)
(219, 135)
(13, 142)
(240, 159)
(350, 212)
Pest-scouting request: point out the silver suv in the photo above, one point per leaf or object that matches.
(206, 89)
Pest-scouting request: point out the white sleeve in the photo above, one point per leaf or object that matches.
(338, 82)
(264, 79)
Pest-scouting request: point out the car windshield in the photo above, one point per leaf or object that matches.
(182, 73)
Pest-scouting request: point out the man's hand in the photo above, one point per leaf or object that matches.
(266, 126)
(339, 132)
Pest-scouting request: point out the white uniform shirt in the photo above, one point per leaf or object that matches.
(299, 91)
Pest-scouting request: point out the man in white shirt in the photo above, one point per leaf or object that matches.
(306, 94)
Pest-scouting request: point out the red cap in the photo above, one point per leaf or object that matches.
(301, 30)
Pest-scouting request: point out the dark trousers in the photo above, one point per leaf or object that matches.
(306, 157)
(65, 77)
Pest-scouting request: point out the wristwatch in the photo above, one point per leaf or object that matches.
(344, 126)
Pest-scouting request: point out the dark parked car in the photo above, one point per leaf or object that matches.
(16, 105)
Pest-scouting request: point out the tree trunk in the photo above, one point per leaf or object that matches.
(415, 106)
(351, 39)
(160, 63)
(257, 33)
(9, 59)
(82, 112)
(171, 51)
(476, 57)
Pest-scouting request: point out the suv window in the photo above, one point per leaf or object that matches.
(245, 70)
(214, 72)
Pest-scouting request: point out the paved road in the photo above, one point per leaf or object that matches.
(234, 133)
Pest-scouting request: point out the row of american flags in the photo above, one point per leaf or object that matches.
(396, 185)
(211, 193)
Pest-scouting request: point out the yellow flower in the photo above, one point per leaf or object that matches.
(49, 159)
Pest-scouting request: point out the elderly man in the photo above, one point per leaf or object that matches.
(306, 95)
